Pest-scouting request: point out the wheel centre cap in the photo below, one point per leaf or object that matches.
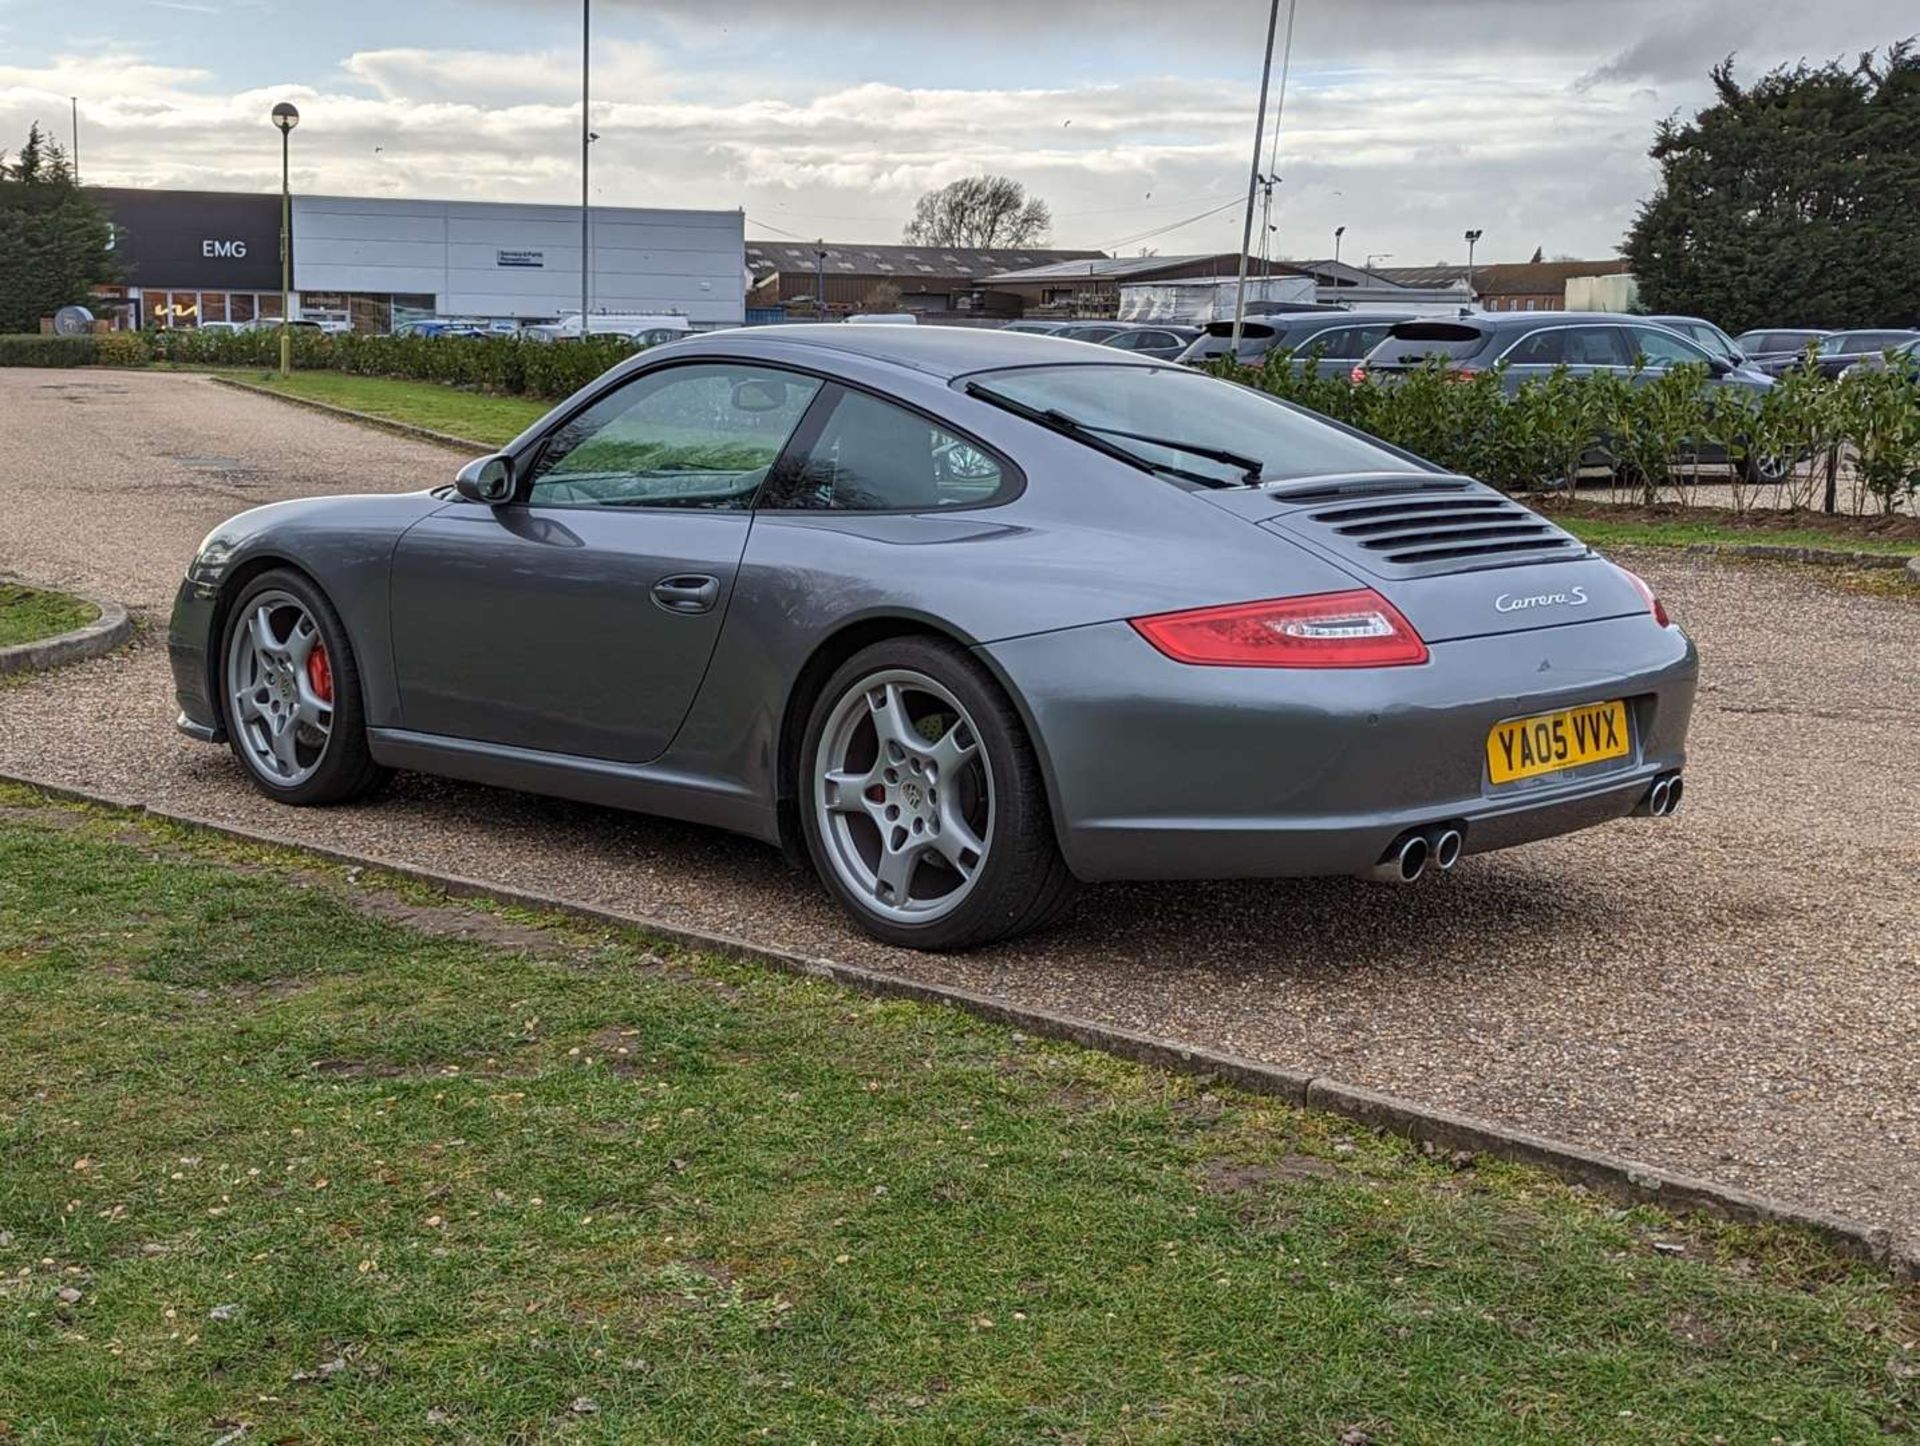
(910, 791)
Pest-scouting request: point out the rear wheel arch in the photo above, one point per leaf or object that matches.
(813, 676)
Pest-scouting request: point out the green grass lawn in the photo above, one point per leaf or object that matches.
(29, 614)
(488, 419)
(1680, 532)
(289, 1150)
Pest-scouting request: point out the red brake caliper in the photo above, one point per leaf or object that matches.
(320, 673)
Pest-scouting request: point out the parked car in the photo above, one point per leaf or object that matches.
(1773, 348)
(1841, 349)
(1904, 358)
(440, 326)
(1531, 346)
(1338, 338)
(1710, 338)
(608, 323)
(964, 618)
(1162, 343)
(1036, 326)
(1089, 330)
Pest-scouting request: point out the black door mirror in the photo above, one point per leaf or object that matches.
(486, 479)
(1719, 366)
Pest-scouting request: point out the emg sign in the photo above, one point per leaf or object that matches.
(236, 250)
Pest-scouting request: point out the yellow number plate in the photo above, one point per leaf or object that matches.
(1549, 742)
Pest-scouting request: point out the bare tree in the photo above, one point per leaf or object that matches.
(979, 211)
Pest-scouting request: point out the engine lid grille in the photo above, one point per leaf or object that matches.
(1417, 526)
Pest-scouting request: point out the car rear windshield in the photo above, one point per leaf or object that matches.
(1186, 406)
(1413, 342)
(1216, 340)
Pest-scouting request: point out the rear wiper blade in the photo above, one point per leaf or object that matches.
(1094, 435)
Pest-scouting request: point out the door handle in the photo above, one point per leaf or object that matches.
(687, 592)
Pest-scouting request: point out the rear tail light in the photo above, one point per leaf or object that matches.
(1358, 374)
(1654, 605)
(1358, 629)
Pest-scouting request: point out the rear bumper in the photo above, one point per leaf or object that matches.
(1158, 770)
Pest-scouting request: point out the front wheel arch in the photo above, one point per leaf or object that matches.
(231, 585)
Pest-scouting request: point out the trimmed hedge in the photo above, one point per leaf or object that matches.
(1655, 434)
(506, 364)
(28, 349)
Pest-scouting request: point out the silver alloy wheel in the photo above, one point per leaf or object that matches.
(903, 796)
(282, 699)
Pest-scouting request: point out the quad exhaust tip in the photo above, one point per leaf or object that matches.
(1409, 856)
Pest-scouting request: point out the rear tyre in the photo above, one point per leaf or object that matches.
(290, 690)
(924, 809)
(1765, 470)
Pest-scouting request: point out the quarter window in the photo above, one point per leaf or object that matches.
(692, 436)
(872, 456)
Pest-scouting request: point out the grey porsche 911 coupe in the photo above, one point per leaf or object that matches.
(963, 618)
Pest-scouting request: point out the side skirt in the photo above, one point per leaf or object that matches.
(640, 787)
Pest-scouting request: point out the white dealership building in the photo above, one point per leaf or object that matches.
(190, 257)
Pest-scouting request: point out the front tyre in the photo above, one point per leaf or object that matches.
(925, 812)
(290, 688)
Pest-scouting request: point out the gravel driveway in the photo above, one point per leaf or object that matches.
(1734, 994)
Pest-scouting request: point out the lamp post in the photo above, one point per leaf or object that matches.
(1253, 179)
(1338, 232)
(1373, 256)
(1472, 239)
(285, 117)
(586, 139)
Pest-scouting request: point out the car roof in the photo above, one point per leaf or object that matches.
(1516, 320)
(941, 351)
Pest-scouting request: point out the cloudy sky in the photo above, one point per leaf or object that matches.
(1405, 120)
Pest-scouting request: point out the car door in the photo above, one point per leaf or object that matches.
(581, 618)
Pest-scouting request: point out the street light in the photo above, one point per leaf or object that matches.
(286, 117)
(1373, 256)
(1338, 232)
(1472, 240)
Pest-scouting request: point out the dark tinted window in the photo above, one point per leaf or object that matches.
(1855, 342)
(872, 456)
(1413, 342)
(1577, 346)
(1256, 340)
(1341, 343)
(1190, 407)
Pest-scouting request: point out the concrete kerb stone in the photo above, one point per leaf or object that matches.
(1613, 1176)
(111, 630)
(365, 419)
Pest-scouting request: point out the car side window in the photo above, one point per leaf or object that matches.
(871, 456)
(702, 436)
(1348, 343)
(1543, 348)
(1661, 349)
